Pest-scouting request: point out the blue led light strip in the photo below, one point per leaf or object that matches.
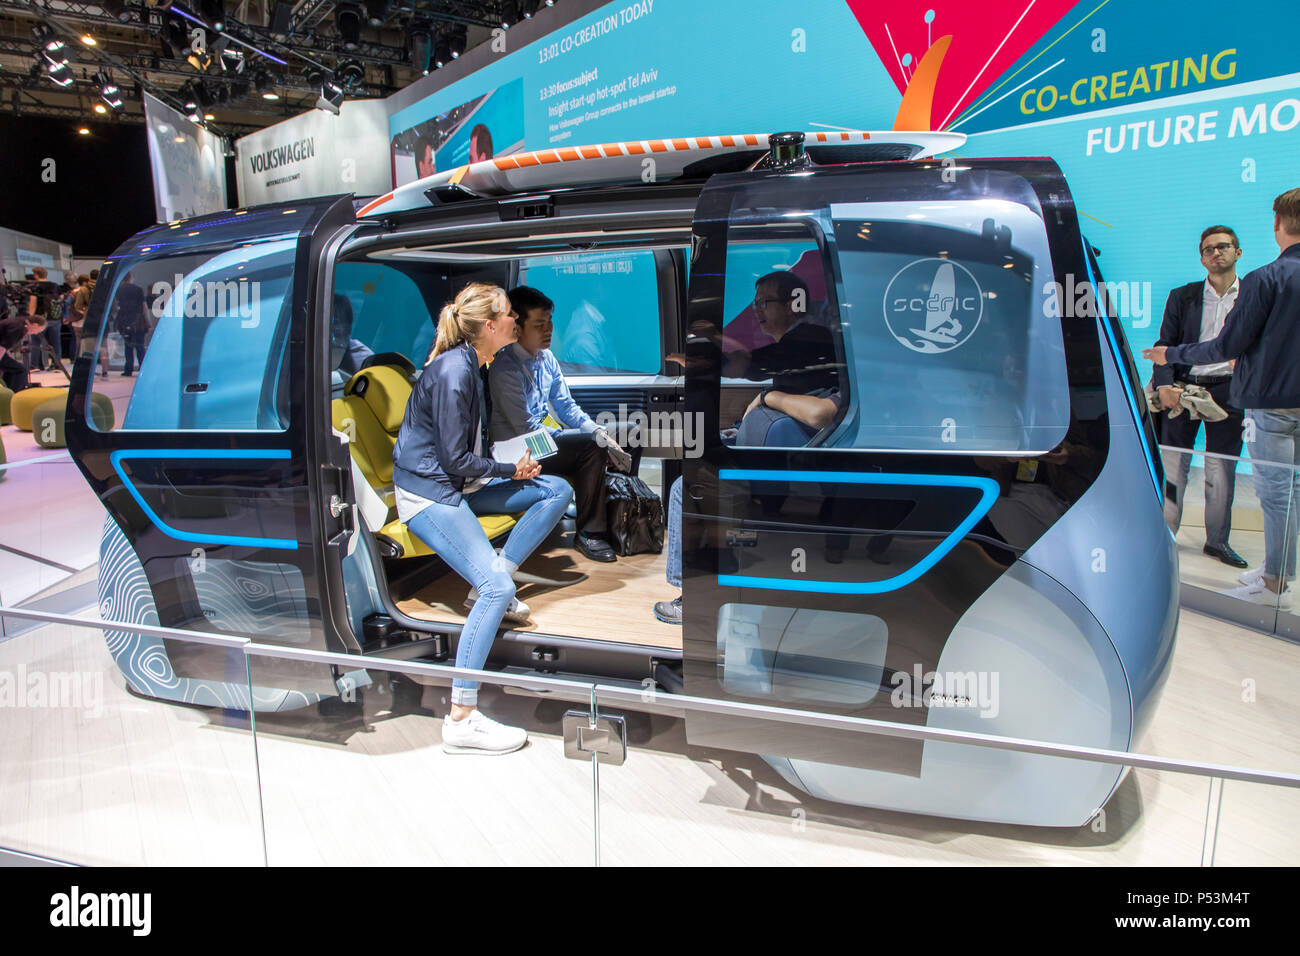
(200, 454)
(987, 486)
(1104, 321)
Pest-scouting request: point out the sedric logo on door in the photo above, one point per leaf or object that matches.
(933, 305)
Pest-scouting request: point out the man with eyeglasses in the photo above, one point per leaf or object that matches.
(801, 360)
(526, 383)
(1263, 335)
(1196, 313)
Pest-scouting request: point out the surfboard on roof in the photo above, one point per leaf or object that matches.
(626, 162)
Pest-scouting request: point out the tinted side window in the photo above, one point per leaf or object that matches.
(606, 310)
(389, 313)
(203, 333)
(896, 325)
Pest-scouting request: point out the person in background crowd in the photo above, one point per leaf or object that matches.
(131, 320)
(1262, 333)
(525, 378)
(443, 481)
(14, 333)
(43, 301)
(1195, 313)
(80, 306)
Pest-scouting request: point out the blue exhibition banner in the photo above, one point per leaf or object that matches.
(1165, 117)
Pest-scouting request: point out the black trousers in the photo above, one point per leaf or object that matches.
(582, 461)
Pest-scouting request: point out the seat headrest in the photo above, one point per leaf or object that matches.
(385, 390)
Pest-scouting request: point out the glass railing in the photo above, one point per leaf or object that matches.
(360, 777)
(1221, 504)
(109, 755)
(92, 773)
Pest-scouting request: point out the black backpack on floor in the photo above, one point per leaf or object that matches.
(634, 515)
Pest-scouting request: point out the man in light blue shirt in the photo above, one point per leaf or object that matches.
(526, 385)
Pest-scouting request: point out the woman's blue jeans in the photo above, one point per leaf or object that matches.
(457, 537)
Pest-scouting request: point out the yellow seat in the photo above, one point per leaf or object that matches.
(370, 413)
(400, 534)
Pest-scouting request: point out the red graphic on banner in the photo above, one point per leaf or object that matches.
(987, 38)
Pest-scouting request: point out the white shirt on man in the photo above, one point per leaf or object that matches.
(1214, 309)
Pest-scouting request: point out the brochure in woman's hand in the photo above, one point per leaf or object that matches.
(539, 443)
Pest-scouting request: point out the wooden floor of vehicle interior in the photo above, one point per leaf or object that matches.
(613, 604)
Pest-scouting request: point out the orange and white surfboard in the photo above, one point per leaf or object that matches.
(628, 162)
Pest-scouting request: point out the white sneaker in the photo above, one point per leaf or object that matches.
(1260, 593)
(1253, 576)
(480, 734)
(517, 613)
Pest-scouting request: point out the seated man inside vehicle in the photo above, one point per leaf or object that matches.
(525, 381)
(802, 360)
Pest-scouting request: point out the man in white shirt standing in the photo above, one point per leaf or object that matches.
(1196, 313)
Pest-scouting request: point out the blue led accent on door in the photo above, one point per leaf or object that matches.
(989, 493)
(201, 454)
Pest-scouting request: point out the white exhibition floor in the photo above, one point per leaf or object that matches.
(142, 782)
(136, 781)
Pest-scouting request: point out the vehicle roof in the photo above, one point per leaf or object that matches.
(629, 161)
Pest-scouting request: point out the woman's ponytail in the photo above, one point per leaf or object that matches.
(462, 319)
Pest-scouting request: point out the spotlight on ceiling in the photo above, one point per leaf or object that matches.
(331, 96)
(528, 8)
(350, 73)
(441, 52)
(174, 38)
(109, 91)
(49, 42)
(347, 20)
(509, 13)
(377, 11)
(89, 40)
(61, 74)
(197, 55)
(262, 83)
(456, 36)
(100, 108)
(419, 45)
(213, 13)
(84, 131)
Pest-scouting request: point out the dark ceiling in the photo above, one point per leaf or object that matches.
(286, 48)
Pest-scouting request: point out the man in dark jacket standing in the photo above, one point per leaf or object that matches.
(1263, 334)
(1195, 313)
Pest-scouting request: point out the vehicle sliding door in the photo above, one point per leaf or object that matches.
(885, 385)
(212, 461)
